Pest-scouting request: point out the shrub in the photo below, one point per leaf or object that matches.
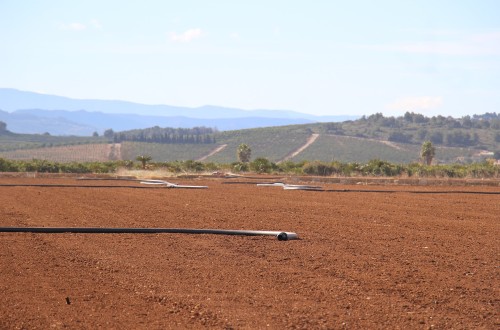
(8, 166)
(239, 167)
(320, 168)
(192, 166)
(483, 170)
(291, 167)
(262, 165)
(350, 168)
(379, 167)
(174, 167)
(211, 166)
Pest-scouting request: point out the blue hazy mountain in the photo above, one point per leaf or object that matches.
(28, 112)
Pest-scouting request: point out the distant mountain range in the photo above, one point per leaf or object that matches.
(32, 113)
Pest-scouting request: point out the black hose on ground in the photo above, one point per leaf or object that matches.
(79, 186)
(280, 235)
(317, 190)
(414, 191)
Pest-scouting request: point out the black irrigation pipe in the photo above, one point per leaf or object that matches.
(251, 177)
(414, 191)
(317, 190)
(386, 191)
(108, 179)
(241, 182)
(100, 186)
(406, 191)
(280, 235)
(76, 186)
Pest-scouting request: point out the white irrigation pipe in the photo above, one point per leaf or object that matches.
(299, 187)
(171, 185)
(280, 235)
(274, 184)
(290, 186)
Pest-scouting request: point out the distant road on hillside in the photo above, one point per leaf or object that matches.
(309, 141)
(213, 152)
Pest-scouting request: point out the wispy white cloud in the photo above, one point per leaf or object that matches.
(78, 26)
(75, 26)
(420, 103)
(186, 36)
(458, 44)
(96, 24)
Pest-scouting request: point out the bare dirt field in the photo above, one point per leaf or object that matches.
(367, 259)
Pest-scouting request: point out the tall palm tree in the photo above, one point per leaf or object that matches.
(427, 152)
(144, 159)
(244, 152)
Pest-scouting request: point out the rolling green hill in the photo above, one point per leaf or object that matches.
(392, 139)
(63, 154)
(362, 150)
(161, 152)
(11, 141)
(273, 143)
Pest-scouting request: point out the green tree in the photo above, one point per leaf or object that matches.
(144, 159)
(109, 133)
(437, 137)
(244, 152)
(262, 165)
(427, 152)
(3, 127)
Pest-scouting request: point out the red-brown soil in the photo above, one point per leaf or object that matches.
(364, 259)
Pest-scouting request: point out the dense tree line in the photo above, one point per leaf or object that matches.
(400, 137)
(487, 120)
(195, 135)
(415, 128)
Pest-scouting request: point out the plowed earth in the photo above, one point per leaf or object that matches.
(376, 260)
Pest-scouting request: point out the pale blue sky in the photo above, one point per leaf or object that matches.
(320, 57)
